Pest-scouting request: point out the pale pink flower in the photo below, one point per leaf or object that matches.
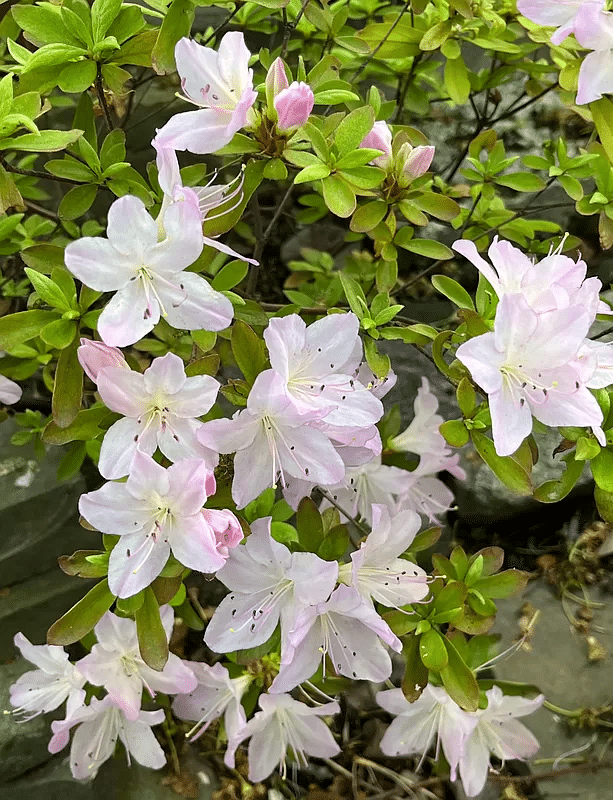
(100, 724)
(157, 510)
(424, 493)
(46, 688)
(206, 198)
(116, 664)
(413, 162)
(378, 386)
(267, 583)
(348, 630)
(528, 366)
(281, 724)
(10, 392)
(221, 83)
(271, 439)
(422, 436)
(227, 529)
(293, 106)
(380, 138)
(561, 14)
(276, 79)
(159, 409)
(496, 732)
(316, 363)
(434, 716)
(594, 30)
(148, 275)
(215, 694)
(95, 356)
(556, 281)
(376, 571)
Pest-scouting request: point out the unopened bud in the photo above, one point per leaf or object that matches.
(293, 106)
(94, 356)
(380, 138)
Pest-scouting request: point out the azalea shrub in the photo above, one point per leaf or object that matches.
(235, 410)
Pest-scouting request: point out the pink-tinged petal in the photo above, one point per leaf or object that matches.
(417, 162)
(513, 740)
(183, 243)
(229, 435)
(595, 77)
(192, 304)
(510, 263)
(285, 339)
(581, 406)
(223, 248)
(483, 360)
(515, 323)
(131, 229)
(112, 509)
(128, 316)
(474, 765)
(331, 341)
(242, 621)
(511, 420)
(124, 391)
(10, 392)
(557, 337)
(267, 749)
(294, 106)
(546, 12)
(194, 545)
(178, 440)
(307, 453)
(196, 397)
(169, 174)
(393, 701)
(258, 564)
(118, 448)
(593, 27)
(45, 657)
(269, 398)
(94, 356)
(187, 492)
(233, 61)
(135, 562)
(147, 479)
(254, 471)
(140, 741)
(303, 661)
(97, 264)
(165, 375)
(93, 743)
(125, 690)
(198, 67)
(175, 677)
(314, 579)
(469, 250)
(379, 138)
(315, 737)
(200, 132)
(358, 408)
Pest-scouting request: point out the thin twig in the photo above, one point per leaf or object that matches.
(345, 513)
(33, 173)
(290, 27)
(223, 24)
(262, 237)
(102, 98)
(384, 39)
(43, 212)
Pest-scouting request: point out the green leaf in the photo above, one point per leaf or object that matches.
(43, 24)
(313, 173)
(309, 525)
(177, 23)
(338, 196)
(113, 149)
(335, 543)
(77, 78)
(368, 216)
(15, 329)
(450, 596)
(275, 170)
(459, 680)
(415, 677)
(59, 333)
(456, 80)
(47, 290)
(434, 37)
(137, 50)
(10, 196)
(425, 539)
(318, 141)
(553, 491)
(522, 182)
(52, 55)
(437, 205)
(454, 432)
(230, 275)
(248, 350)
(165, 588)
(379, 364)
(82, 617)
(432, 650)
(602, 470)
(84, 427)
(68, 386)
(333, 97)
(512, 474)
(452, 289)
(208, 365)
(466, 397)
(602, 114)
(283, 533)
(77, 201)
(79, 564)
(352, 129)
(571, 186)
(103, 13)
(354, 294)
(604, 503)
(68, 168)
(428, 248)
(152, 641)
(45, 142)
(503, 584)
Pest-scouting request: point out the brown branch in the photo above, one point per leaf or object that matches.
(262, 237)
(102, 99)
(33, 173)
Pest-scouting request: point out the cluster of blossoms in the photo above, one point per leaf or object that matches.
(309, 422)
(537, 361)
(592, 26)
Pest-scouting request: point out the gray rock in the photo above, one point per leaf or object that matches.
(32, 606)
(23, 745)
(34, 509)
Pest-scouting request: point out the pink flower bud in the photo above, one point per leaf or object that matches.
(293, 105)
(276, 79)
(415, 161)
(94, 356)
(227, 529)
(380, 138)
